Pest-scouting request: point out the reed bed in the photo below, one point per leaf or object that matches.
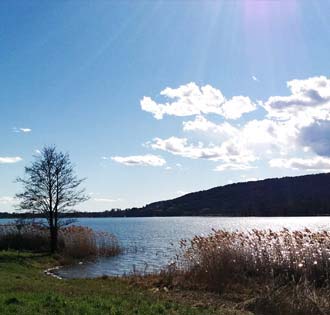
(80, 242)
(223, 257)
(75, 242)
(23, 237)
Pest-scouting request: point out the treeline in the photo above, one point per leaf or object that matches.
(75, 214)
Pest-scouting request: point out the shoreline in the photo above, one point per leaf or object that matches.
(50, 272)
(25, 288)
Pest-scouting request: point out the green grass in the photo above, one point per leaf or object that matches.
(24, 289)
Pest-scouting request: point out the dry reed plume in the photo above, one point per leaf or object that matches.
(222, 257)
(76, 242)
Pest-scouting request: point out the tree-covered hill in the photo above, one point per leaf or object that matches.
(288, 196)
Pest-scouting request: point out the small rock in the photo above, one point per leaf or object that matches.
(154, 290)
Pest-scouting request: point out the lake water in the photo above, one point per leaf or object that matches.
(147, 241)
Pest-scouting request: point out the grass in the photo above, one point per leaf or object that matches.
(24, 289)
(224, 273)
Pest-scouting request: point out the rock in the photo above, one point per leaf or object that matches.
(154, 290)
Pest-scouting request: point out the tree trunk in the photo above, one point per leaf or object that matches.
(53, 239)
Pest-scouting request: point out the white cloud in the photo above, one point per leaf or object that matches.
(262, 136)
(106, 200)
(23, 130)
(310, 164)
(201, 124)
(6, 200)
(181, 193)
(227, 152)
(258, 137)
(308, 104)
(233, 167)
(297, 125)
(190, 99)
(10, 160)
(254, 78)
(237, 106)
(140, 160)
(310, 98)
(253, 133)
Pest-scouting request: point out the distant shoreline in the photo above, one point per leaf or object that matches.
(298, 196)
(105, 214)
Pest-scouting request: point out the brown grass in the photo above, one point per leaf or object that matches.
(23, 237)
(74, 242)
(286, 272)
(81, 242)
(223, 257)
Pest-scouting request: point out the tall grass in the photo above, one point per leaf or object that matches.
(223, 257)
(23, 237)
(75, 242)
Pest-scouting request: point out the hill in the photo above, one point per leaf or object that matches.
(307, 195)
(288, 196)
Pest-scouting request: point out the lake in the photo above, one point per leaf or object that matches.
(148, 241)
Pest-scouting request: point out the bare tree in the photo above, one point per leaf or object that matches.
(51, 189)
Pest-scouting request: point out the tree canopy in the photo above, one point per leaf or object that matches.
(51, 188)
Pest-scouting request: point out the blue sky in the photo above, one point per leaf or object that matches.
(153, 99)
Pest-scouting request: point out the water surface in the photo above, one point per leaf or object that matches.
(148, 241)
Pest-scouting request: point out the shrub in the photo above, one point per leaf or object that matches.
(75, 242)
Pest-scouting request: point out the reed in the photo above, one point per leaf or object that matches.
(81, 242)
(74, 242)
(223, 257)
(23, 237)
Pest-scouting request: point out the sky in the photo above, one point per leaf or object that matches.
(154, 99)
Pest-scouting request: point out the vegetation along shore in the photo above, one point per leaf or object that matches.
(256, 272)
(25, 289)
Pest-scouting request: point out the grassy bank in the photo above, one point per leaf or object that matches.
(24, 289)
(224, 273)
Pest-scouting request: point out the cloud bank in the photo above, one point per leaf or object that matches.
(318, 164)
(291, 131)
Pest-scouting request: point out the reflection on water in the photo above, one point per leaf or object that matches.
(147, 241)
